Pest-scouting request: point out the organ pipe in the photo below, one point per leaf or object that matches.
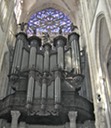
(57, 89)
(44, 91)
(20, 40)
(39, 62)
(45, 68)
(68, 60)
(60, 42)
(53, 61)
(34, 44)
(74, 40)
(47, 47)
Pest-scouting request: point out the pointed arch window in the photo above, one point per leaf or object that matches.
(49, 20)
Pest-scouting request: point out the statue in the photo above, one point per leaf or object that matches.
(22, 26)
(73, 27)
(60, 30)
(45, 37)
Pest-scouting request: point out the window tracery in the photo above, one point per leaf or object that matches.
(49, 20)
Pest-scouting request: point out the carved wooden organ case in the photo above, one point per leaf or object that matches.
(45, 78)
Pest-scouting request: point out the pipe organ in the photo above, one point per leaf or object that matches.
(48, 78)
(46, 65)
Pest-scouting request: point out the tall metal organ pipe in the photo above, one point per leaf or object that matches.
(60, 42)
(47, 47)
(57, 89)
(39, 63)
(24, 66)
(74, 40)
(34, 44)
(44, 92)
(21, 38)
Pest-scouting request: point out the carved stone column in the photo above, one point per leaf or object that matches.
(60, 42)
(72, 117)
(15, 116)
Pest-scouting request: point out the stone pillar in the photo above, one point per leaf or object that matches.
(47, 47)
(60, 42)
(57, 89)
(72, 117)
(15, 116)
(74, 40)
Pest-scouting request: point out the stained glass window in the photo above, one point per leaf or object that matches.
(49, 20)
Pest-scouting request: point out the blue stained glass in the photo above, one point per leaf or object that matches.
(49, 20)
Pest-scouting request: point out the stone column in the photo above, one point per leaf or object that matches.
(47, 47)
(15, 116)
(57, 89)
(60, 42)
(72, 117)
(74, 40)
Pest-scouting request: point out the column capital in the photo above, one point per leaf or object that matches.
(15, 114)
(72, 115)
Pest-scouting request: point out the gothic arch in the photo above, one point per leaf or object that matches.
(35, 9)
(102, 48)
(102, 42)
(109, 65)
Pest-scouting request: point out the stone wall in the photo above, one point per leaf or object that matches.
(7, 36)
(98, 43)
(92, 6)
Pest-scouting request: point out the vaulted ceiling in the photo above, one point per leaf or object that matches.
(29, 7)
